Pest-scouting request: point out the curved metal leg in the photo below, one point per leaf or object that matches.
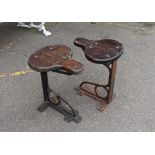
(84, 88)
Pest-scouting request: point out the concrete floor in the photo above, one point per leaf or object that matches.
(133, 108)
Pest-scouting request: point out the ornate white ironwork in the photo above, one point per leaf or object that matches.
(40, 27)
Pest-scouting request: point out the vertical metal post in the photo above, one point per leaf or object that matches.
(44, 80)
(112, 73)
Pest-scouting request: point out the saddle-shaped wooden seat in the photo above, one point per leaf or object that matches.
(100, 51)
(54, 58)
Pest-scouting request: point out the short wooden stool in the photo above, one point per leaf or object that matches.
(55, 58)
(105, 52)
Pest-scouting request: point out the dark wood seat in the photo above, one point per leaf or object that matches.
(106, 52)
(54, 58)
(100, 51)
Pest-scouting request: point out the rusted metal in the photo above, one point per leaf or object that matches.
(55, 58)
(105, 52)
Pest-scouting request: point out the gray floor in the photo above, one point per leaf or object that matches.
(133, 108)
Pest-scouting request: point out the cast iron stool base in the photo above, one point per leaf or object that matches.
(55, 102)
(83, 89)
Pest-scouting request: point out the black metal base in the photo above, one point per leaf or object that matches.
(68, 116)
(55, 102)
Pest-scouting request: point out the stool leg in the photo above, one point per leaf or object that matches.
(84, 89)
(44, 80)
(112, 73)
(69, 114)
(111, 80)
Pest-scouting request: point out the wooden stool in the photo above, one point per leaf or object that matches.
(55, 58)
(104, 52)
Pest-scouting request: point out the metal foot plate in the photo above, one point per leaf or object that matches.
(68, 115)
(75, 119)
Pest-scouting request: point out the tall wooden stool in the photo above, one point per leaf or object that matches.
(105, 52)
(55, 58)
